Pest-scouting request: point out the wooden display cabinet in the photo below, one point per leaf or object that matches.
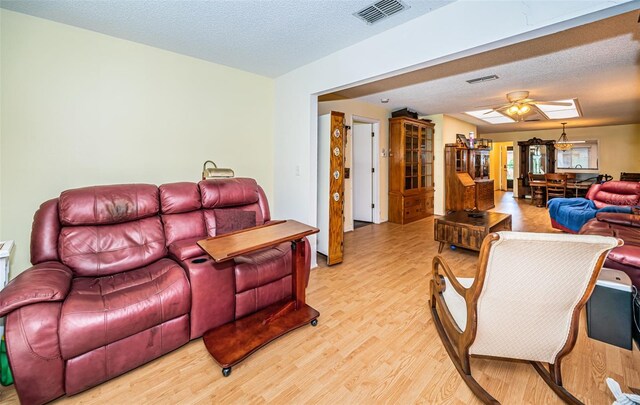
(410, 169)
(467, 183)
(536, 156)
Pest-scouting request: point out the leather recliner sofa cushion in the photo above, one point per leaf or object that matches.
(625, 227)
(102, 205)
(109, 229)
(262, 278)
(262, 267)
(107, 249)
(99, 311)
(615, 193)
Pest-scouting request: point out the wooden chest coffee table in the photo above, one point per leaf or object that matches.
(460, 229)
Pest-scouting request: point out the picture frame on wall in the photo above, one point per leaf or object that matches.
(462, 140)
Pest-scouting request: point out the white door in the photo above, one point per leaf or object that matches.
(362, 172)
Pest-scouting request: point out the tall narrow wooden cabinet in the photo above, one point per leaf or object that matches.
(410, 169)
(331, 136)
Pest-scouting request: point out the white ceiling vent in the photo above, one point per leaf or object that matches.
(380, 10)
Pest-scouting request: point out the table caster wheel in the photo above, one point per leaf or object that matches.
(314, 322)
(226, 371)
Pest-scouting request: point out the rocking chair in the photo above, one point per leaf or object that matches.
(524, 302)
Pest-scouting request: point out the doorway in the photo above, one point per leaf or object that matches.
(502, 165)
(364, 184)
(508, 167)
(362, 172)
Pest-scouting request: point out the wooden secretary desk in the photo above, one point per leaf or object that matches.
(410, 169)
(467, 183)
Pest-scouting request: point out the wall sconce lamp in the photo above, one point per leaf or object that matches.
(215, 172)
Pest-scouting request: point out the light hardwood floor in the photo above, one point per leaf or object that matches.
(375, 341)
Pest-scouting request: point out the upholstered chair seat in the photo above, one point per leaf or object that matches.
(100, 310)
(262, 278)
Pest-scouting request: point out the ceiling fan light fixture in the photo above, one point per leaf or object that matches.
(563, 142)
(518, 111)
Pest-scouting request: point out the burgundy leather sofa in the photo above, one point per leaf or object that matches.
(570, 214)
(625, 227)
(118, 280)
(614, 193)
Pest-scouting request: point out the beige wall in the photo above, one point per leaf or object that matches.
(353, 108)
(445, 132)
(81, 108)
(618, 146)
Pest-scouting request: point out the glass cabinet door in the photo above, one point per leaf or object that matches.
(428, 160)
(538, 159)
(423, 157)
(477, 165)
(411, 156)
(485, 165)
(461, 160)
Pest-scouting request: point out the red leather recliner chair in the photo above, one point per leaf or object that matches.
(119, 280)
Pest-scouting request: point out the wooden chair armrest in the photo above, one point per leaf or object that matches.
(439, 262)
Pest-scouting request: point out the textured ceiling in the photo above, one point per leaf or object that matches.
(267, 37)
(598, 63)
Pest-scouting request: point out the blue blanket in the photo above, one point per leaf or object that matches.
(572, 213)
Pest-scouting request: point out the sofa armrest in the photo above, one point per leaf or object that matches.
(619, 218)
(48, 281)
(186, 249)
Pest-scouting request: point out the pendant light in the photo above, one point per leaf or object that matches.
(563, 142)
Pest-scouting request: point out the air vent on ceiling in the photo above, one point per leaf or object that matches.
(483, 79)
(380, 10)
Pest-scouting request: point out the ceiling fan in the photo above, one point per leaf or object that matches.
(520, 105)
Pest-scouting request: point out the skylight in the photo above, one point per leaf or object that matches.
(557, 112)
(491, 116)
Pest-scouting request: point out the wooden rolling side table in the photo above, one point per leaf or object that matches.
(232, 342)
(460, 229)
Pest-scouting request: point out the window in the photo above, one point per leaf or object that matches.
(583, 155)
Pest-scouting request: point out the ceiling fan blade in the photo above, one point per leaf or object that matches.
(541, 113)
(498, 109)
(491, 106)
(503, 108)
(560, 103)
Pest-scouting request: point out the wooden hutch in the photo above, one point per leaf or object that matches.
(538, 157)
(410, 169)
(467, 183)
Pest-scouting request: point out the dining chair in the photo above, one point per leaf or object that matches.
(524, 302)
(537, 189)
(572, 188)
(556, 185)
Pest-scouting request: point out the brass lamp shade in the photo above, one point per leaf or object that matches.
(215, 172)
